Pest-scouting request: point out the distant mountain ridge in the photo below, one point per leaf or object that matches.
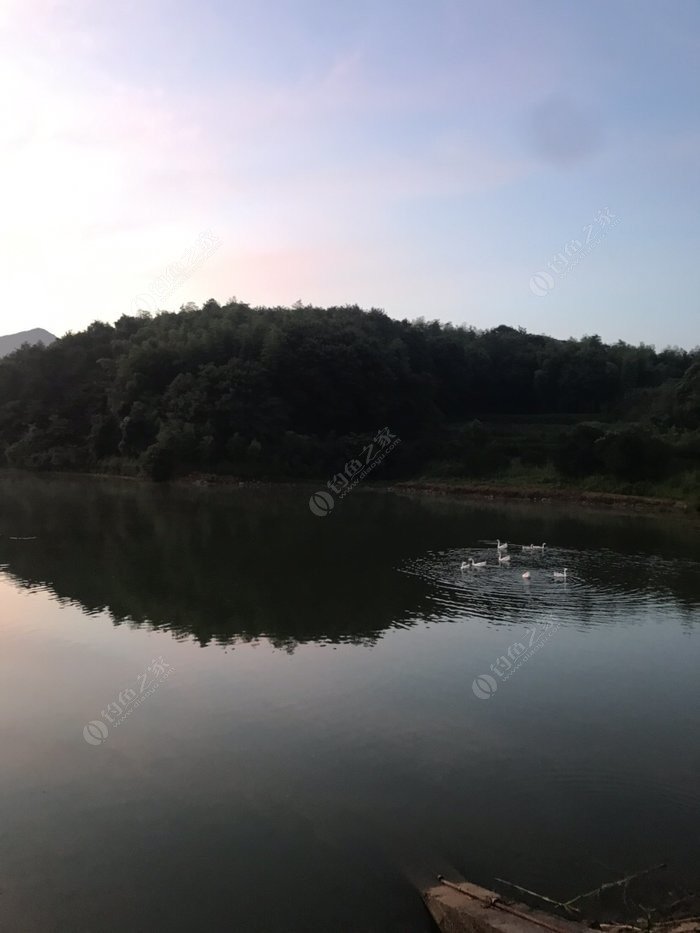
(11, 342)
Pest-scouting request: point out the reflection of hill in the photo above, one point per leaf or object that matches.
(236, 564)
(212, 563)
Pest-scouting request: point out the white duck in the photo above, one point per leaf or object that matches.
(501, 547)
(504, 558)
(477, 564)
(526, 575)
(560, 575)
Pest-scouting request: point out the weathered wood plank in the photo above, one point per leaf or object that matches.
(468, 908)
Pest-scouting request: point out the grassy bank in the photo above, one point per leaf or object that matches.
(545, 493)
(679, 493)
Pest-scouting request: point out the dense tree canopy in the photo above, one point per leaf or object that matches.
(293, 392)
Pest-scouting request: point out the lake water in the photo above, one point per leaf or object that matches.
(303, 744)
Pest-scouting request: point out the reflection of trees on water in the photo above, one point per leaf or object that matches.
(233, 565)
(222, 565)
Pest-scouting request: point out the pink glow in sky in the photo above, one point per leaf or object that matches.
(427, 159)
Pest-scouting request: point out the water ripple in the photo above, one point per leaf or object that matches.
(601, 585)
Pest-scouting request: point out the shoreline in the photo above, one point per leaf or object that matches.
(524, 493)
(471, 490)
(607, 500)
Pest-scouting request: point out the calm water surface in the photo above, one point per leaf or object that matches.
(317, 749)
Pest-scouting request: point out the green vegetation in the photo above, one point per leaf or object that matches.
(294, 393)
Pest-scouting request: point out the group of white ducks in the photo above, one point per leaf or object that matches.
(504, 558)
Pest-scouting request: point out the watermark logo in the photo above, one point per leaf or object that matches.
(541, 283)
(95, 732)
(177, 273)
(146, 684)
(566, 260)
(322, 503)
(485, 685)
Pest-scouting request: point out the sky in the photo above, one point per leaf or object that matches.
(482, 162)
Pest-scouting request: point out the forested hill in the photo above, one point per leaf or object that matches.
(295, 392)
